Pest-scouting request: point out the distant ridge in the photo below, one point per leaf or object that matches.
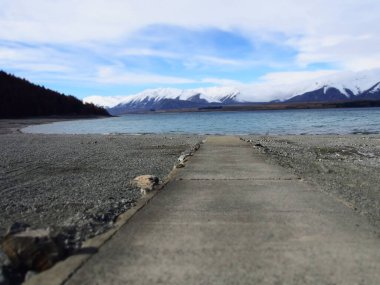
(171, 98)
(340, 87)
(331, 94)
(345, 86)
(21, 98)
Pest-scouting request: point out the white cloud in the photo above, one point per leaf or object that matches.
(348, 51)
(341, 32)
(70, 20)
(113, 75)
(290, 77)
(218, 60)
(104, 101)
(34, 59)
(148, 52)
(282, 85)
(220, 81)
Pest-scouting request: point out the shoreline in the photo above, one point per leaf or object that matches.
(79, 184)
(334, 162)
(257, 107)
(242, 124)
(11, 126)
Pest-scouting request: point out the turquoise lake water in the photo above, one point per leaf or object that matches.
(326, 121)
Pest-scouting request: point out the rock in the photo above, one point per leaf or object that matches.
(3, 280)
(30, 274)
(146, 183)
(185, 155)
(182, 158)
(18, 227)
(67, 238)
(31, 249)
(4, 260)
(259, 145)
(197, 146)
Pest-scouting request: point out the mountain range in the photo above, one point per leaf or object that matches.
(341, 87)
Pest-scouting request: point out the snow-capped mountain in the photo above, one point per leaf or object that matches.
(170, 98)
(208, 95)
(337, 87)
(343, 86)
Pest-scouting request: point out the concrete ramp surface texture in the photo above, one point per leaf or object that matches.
(231, 217)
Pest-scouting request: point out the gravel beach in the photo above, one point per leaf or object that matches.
(82, 181)
(78, 182)
(345, 166)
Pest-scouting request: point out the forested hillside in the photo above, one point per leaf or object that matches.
(20, 98)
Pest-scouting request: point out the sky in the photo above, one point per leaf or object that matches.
(121, 47)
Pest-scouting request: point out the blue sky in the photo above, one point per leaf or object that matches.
(119, 47)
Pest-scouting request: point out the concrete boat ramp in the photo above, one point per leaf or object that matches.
(231, 217)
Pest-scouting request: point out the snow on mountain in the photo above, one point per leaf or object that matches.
(349, 84)
(209, 95)
(375, 89)
(104, 101)
(339, 86)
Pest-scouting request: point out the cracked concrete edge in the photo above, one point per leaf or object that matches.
(316, 185)
(63, 270)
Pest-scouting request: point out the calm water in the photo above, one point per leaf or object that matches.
(332, 121)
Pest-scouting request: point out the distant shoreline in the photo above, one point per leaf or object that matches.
(14, 125)
(81, 182)
(267, 107)
(286, 122)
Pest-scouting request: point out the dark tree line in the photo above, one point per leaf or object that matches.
(20, 98)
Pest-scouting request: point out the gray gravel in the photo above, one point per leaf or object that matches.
(79, 182)
(10, 126)
(347, 167)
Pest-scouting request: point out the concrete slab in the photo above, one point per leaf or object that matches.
(226, 231)
(220, 161)
(257, 195)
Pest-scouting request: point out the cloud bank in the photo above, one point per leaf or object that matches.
(124, 46)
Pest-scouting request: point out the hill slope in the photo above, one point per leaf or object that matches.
(20, 98)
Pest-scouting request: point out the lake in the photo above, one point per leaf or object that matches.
(324, 121)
